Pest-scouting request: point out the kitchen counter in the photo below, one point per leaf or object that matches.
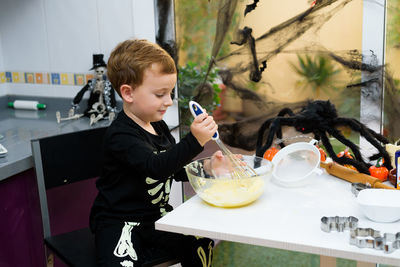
(18, 127)
(19, 198)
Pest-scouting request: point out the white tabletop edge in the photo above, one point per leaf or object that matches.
(279, 245)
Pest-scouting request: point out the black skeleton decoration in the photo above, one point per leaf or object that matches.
(101, 103)
(321, 119)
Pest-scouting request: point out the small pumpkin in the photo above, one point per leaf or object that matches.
(379, 171)
(322, 153)
(346, 153)
(270, 153)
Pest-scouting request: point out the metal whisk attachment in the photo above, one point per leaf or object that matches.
(238, 170)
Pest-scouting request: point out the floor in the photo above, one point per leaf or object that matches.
(236, 254)
(229, 254)
(242, 255)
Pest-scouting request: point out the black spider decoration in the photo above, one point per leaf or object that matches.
(320, 118)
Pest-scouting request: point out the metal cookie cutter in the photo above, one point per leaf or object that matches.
(388, 243)
(357, 187)
(364, 237)
(339, 224)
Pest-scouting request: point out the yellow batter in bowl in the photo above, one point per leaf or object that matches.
(228, 192)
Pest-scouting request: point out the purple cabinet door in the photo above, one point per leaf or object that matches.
(21, 234)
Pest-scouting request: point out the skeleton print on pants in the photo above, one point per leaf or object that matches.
(130, 249)
(125, 247)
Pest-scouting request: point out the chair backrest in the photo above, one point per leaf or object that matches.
(64, 160)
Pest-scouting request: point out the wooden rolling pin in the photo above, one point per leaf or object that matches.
(352, 176)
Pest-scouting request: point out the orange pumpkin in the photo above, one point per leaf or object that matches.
(322, 153)
(346, 153)
(270, 153)
(379, 171)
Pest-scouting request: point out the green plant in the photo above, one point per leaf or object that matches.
(315, 72)
(393, 22)
(191, 86)
(196, 28)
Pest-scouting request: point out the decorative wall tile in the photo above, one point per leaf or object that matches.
(29, 77)
(71, 80)
(8, 77)
(46, 78)
(67, 79)
(39, 77)
(89, 77)
(64, 78)
(79, 79)
(18, 77)
(55, 78)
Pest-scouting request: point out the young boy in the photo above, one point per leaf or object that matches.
(140, 161)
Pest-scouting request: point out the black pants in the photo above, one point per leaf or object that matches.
(131, 244)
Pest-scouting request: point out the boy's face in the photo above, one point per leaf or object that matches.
(152, 98)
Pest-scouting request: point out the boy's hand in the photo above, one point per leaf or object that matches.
(221, 165)
(217, 165)
(203, 128)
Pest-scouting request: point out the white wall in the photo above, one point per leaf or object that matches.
(61, 36)
(3, 86)
(1, 57)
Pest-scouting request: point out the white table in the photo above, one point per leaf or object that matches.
(285, 218)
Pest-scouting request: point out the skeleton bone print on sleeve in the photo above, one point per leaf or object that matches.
(159, 190)
(124, 246)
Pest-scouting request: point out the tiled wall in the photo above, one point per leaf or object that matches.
(54, 78)
(46, 46)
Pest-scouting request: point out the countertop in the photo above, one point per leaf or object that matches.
(18, 127)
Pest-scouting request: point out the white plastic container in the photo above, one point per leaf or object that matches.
(380, 205)
(295, 164)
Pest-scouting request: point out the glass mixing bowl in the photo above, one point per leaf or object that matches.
(229, 186)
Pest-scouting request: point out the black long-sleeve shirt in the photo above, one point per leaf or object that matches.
(138, 168)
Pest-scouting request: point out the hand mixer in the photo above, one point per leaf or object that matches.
(239, 171)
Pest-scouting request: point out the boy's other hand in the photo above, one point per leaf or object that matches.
(222, 165)
(203, 128)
